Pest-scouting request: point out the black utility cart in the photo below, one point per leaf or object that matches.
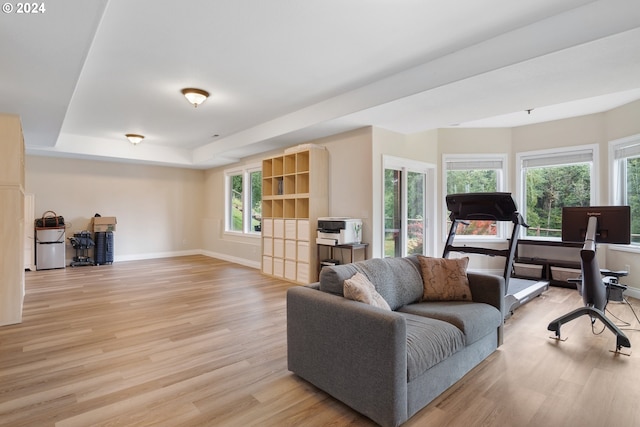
(81, 242)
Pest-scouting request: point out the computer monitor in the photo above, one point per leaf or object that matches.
(614, 224)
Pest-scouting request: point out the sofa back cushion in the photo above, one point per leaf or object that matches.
(397, 280)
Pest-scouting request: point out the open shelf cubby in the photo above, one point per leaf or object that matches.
(278, 166)
(289, 208)
(302, 162)
(277, 187)
(267, 187)
(289, 164)
(278, 210)
(289, 184)
(267, 168)
(302, 183)
(267, 208)
(302, 208)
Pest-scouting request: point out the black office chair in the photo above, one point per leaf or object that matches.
(594, 289)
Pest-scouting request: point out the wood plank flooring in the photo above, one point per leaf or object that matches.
(195, 341)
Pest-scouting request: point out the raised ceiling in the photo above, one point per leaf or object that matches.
(81, 74)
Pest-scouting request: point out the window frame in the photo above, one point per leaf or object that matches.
(618, 185)
(476, 160)
(246, 172)
(554, 157)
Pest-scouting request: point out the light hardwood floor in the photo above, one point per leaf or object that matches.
(194, 341)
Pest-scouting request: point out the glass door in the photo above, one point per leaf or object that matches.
(416, 204)
(407, 185)
(392, 213)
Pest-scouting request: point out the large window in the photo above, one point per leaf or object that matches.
(474, 174)
(550, 180)
(406, 212)
(244, 201)
(625, 158)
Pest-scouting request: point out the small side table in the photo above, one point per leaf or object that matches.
(352, 247)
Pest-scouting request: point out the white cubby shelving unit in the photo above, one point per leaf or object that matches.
(294, 195)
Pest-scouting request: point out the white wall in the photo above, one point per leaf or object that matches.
(159, 209)
(350, 184)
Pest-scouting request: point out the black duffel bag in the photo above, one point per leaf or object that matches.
(50, 219)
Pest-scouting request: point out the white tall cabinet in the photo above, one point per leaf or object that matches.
(12, 226)
(294, 194)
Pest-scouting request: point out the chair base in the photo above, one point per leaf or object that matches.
(621, 338)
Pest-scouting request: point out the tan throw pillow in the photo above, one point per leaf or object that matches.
(359, 288)
(445, 279)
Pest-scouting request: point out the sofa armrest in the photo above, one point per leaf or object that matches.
(315, 285)
(489, 289)
(354, 352)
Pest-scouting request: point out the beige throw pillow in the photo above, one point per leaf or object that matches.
(445, 279)
(359, 288)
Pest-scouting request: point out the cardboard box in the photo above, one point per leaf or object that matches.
(103, 223)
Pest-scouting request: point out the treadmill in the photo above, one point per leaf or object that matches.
(493, 207)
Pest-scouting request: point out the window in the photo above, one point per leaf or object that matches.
(625, 158)
(406, 212)
(255, 200)
(550, 180)
(476, 174)
(236, 203)
(244, 201)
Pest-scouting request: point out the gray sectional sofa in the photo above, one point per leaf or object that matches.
(388, 365)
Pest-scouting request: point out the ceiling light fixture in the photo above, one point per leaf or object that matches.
(134, 138)
(195, 96)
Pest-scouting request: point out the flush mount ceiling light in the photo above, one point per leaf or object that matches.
(195, 96)
(134, 138)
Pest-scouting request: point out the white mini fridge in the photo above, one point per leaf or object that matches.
(50, 248)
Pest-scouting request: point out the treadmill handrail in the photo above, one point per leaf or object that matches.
(477, 250)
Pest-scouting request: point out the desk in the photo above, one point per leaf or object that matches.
(351, 247)
(549, 255)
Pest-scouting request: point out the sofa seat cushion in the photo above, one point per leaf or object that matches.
(397, 280)
(474, 319)
(429, 342)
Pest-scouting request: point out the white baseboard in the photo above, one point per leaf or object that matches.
(153, 255)
(236, 260)
(632, 292)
